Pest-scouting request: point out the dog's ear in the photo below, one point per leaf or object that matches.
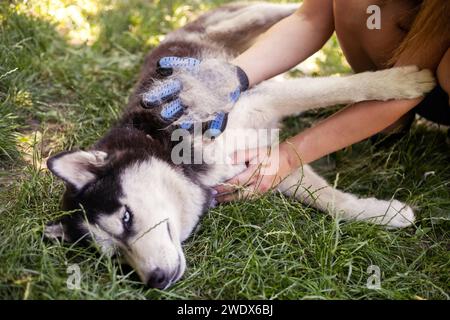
(77, 168)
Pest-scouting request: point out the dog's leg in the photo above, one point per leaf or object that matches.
(312, 189)
(237, 26)
(274, 100)
(233, 27)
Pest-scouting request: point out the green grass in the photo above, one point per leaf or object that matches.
(58, 91)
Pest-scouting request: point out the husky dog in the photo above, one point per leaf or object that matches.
(126, 193)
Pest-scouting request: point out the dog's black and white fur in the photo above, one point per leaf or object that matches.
(127, 194)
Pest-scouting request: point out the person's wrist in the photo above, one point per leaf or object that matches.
(290, 153)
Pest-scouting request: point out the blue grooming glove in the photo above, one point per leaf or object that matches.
(196, 90)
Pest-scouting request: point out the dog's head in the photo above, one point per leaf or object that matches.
(132, 203)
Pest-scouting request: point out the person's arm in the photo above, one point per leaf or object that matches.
(351, 125)
(342, 129)
(289, 42)
(361, 120)
(346, 127)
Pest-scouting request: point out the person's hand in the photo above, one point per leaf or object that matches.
(195, 91)
(266, 168)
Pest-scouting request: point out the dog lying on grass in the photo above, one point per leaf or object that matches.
(128, 195)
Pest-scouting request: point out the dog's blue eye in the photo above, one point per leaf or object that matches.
(126, 218)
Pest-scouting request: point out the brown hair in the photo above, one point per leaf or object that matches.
(430, 29)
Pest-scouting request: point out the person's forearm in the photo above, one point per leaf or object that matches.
(351, 125)
(288, 42)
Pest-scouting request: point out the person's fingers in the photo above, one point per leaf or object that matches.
(172, 110)
(166, 65)
(243, 193)
(160, 94)
(266, 183)
(228, 197)
(223, 188)
(242, 179)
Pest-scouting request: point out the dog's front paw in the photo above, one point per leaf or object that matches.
(405, 82)
(392, 214)
(398, 215)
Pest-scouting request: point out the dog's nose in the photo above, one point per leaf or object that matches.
(158, 279)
